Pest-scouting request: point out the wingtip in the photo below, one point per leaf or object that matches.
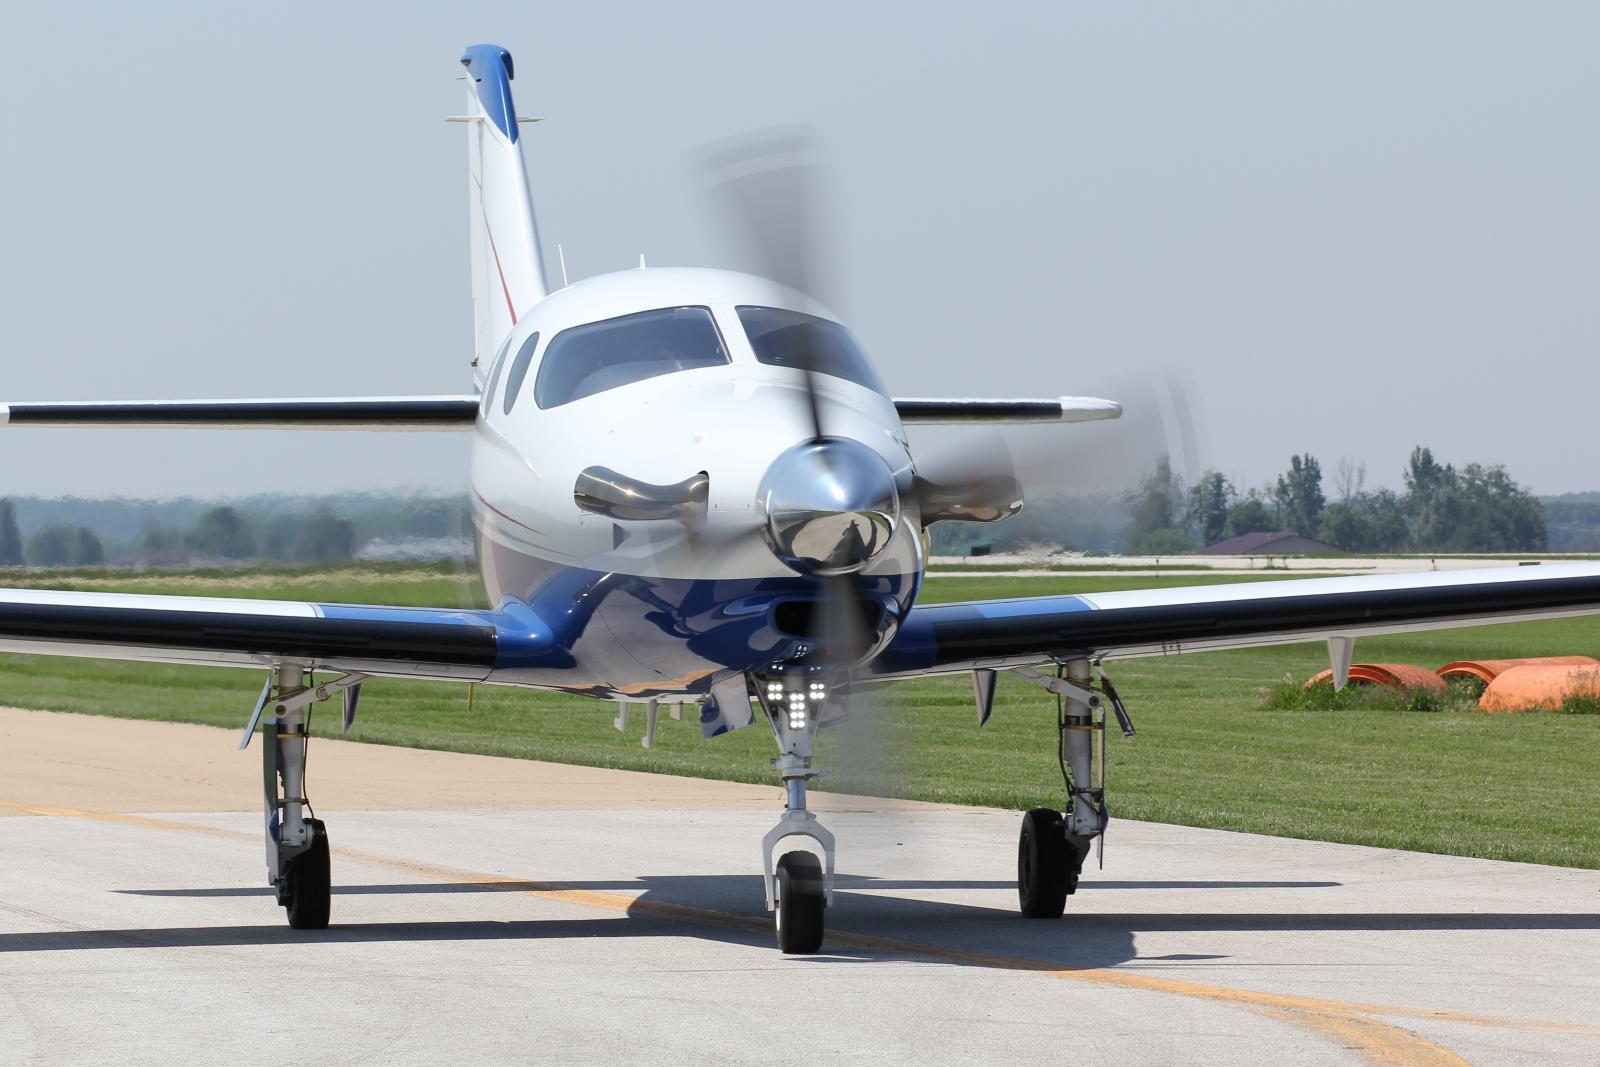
(1088, 408)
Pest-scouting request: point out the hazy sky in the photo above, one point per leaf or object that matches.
(1354, 227)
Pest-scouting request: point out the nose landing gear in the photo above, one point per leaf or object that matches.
(801, 901)
(799, 888)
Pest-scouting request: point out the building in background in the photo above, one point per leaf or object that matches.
(1277, 543)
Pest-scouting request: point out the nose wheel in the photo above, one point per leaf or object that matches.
(800, 903)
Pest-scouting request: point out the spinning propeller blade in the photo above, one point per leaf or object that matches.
(1158, 421)
(765, 193)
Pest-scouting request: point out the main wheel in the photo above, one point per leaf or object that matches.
(800, 903)
(1046, 865)
(309, 881)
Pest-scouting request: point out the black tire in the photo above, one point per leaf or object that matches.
(800, 903)
(1045, 865)
(309, 881)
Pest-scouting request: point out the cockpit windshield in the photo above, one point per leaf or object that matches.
(597, 356)
(789, 339)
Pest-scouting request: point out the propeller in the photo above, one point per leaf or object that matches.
(767, 195)
(975, 470)
(765, 191)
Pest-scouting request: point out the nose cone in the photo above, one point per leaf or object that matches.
(831, 506)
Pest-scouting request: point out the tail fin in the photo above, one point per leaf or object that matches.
(507, 271)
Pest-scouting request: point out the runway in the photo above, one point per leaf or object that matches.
(491, 910)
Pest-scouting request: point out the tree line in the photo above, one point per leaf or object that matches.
(56, 545)
(1474, 508)
(221, 534)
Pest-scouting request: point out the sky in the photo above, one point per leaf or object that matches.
(1350, 228)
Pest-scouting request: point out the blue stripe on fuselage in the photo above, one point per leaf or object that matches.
(637, 633)
(595, 631)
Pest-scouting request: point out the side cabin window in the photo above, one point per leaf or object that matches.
(495, 368)
(597, 356)
(783, 338)
(519, 371)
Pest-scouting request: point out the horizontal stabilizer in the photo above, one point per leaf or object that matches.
(318, 413)
(928, 412)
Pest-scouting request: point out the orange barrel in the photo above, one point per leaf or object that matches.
(1540, 687)
(1393, 675)
(1487, 670)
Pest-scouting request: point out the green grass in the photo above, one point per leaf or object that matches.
(1291, 694)
(1212, 749)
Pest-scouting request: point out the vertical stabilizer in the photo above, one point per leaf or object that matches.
(507, 271)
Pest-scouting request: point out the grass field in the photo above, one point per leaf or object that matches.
(1209, 751)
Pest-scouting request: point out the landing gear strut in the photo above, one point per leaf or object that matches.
(1054, 844)
(799, 888)
(297, 847)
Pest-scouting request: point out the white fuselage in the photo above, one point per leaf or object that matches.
(661, 608)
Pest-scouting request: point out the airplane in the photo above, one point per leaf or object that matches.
(691, 489)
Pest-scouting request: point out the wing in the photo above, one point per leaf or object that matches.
(369, 639)
(313, 413)
(918, 411)
(456, 412)
(1003, 633)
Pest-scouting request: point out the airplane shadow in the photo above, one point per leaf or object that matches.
(843, 881)
(731, 907)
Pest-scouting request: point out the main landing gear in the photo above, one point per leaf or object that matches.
(297, 846)
(298, 865)
(799, 888)
(1053, 844)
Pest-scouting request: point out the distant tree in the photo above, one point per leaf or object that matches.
(1346, 527)
(1167, 541)
(1386, 515)
(1479, 509)
(85, 549)
(10, 536)
(1298, 495)
(60, 545)
(222, 533)
(436, 521)
(1350, 479)
(1573, 524)
(51, 547)
(1158, 503)
(1250, 515)
(326, 538)
(159, 538)
(1474, 509)
(1425, 480)
(281, 538)
(1208, 506)
(1366, 522)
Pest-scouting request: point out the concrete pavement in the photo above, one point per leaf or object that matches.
(504, 910)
